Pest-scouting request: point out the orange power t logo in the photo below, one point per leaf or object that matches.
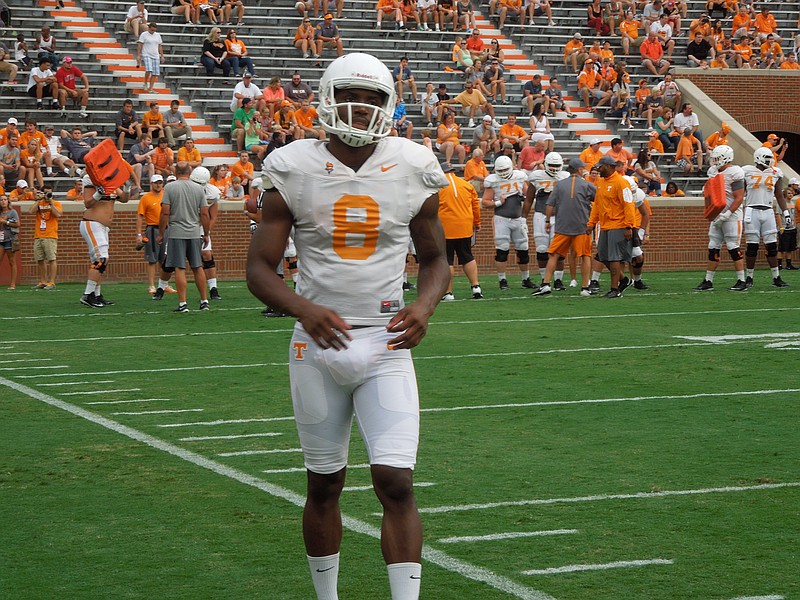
(299, 349)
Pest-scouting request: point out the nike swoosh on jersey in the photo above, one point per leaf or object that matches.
(384, 169)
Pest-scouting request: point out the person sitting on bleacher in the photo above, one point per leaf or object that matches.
(136, 18)
(185, 8)
(189, 154)
(466, 14)
(471, 101)
(448, 139)
(163, 159)
(30, 164)
(653, 55)
(742, 23)
(42, 83)
(663, 127)
(237, 54)
(228, 6)
(427, 11)
(389, 10)
(54, 147)
(66, 77)
(629, 32)
(153, 121)
(215, 55)
(140, 157)
(304, 38)
(247, 89)
(654, 145)
(475, 170)
(78, 143)
(328, 6)
(510, 8)
(765, 25)
(494, 79)
(698, 51)
(210, 8)
(446, 12)
(327, 36)
(6, 66)
(594, 19)
(575, 51)
(305, 117)
(556, 100)
(743, 53)
(663, 31)
(651, 12)
(790, 64)
(175, 124)
(127, 124)
(719, 137)
(771, 53)
(45, 44)
(75, 193)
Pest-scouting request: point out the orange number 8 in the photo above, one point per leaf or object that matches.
(355, 240)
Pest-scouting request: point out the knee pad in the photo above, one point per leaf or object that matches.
(500, 255)
(167, 269)
(752, 250)
(637, 262)
(713, 254)
(293, 264)
(736, 254)
(542, 256)
(772, 249)
(209, 264)
(100, 265)
(523, 257)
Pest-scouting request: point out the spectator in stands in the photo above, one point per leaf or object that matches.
(790, 64)
(274, 95)
(429, 102)
(401, 125)
(7, 67)
(446, 13)
(777, 145)
(460, 57)
(9, 159)
(221, 179)
(540, 128)
(723, 53)
(743, 54)
(284, 118)
(742, 22)
(410, 14)
(654, 145)
(247, 89)
(237, 54)
(136, 19)
(403, 76)
(149, 54)
(140, 157)
(228, 7)
(672, 190)
(663, 31)
(303, 8)
(327, 36)
(210, 8)
(241, 122)
(163, 159)
(78, 143)
(296, 90)
(647, 172)
(613, 15)
(21, 192)
(45, 44)
(494, 80)
(304, 38)
(719, 137)
(42, 83)
(477, 49)
(465, 14)
(175, 124)
(629, 32)
(533, 94)
(185, 8)
(575, 52)
(621, 105)
(537, 8)
(66, 76)
(258, 136)
(127, 124)
(475, 170)
(189, 154)
(54, 155)
(329, 6)
(389, 10)
(9, 237)
(651, 12)
(698, 50)
(653, 55)
(215, 55)
(485, 136)
(30, 164)
(31, 133)
(427, 12)
(495, 51)
(673, 13)
(619, 153)
(671, 92)
(471, 101)
(153, 121)
(243, 169)
(663, 127)
(556, 100)
(765, 25)
(771, 53)
(686, 119)
(236, 191)
(588, 86)
(653, 107)
(448, 139)
(594, 20)
(532, 156)
(305, 116)
(511, 8)
(689, 153)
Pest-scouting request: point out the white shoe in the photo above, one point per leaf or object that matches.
(471, 123)
(495, 124)
(448, 297)
(573, 283)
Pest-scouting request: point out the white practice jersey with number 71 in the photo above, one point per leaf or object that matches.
(351, 227)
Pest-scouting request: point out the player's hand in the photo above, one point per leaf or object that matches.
(412, 325)
(547, 227)
(326, 327)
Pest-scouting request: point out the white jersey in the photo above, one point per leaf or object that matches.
(734, 180)
(760, 185)
(544, 183)
(511, 191)
(351, 228)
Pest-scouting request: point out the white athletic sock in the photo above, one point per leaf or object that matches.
(776, 272)
(542, 272)
(637, 277)
(404, 580)
(740, 275)
(325, 575)
(595, 275)
(500, 276)
(405, 277)
(212, 282)
(525, 274)
(559, 274)
(162, 285)
(97, 291)
(90, 287)
(49, 171)
(710, 276)
(750, 272)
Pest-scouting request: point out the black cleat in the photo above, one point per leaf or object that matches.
(203, 304)
(271, 312)
(594, 285)
(542, 291)
(704, 286)
(407, 285)
(612, 294)
(477, 293)
(91, 300)
(641, 285)
(778, 282)
(504, 285)
(558, 285)
(214, 294)
(102, 301)
(739, 286)
(791, 267)
(159, 294)
(748, 282)
(181, 308)
(624, 284)
(527, 283)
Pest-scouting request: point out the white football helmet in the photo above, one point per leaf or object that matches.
(764, 157)
(356, 71)
(503, 167)
(200, 175)
(720, 156)
(553, 163)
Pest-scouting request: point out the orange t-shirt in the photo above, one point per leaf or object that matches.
(162, 158)
(46, 226)
(238, 169)
(193, 156)
(765, 24)
(298, 34)
(474, 168)
(613, 206)
(221, 184)
(72, 194)
(150, 207)
(631, 28)
(716, 139)
(459, 208)
(29, 159)
(795, 66)
(591, 157)
(740, 21)
(507, 130)
(655, 145)
(448, 134)
(685, 147)
(587, 78)
(642, 94)
(25, 137)
(386, 6)
(149, 119)
(775, 48)
(571, 45)
(622, 156)
(745, 50)
(4, 136)
(306, 119)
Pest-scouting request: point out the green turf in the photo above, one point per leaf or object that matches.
(511, 389)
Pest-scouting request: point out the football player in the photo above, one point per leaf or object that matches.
(505, 190)
(726, 227)
(202, 176)
(540, 184)
(353, 200)
(762, 183)
(641, 226)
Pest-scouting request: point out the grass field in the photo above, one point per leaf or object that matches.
(571, 449)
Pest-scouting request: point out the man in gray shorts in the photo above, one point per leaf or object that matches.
(185, 209)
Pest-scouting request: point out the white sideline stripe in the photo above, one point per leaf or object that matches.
(44, 367)
(368, 488)
(62, 383)
(600, 497)
(159, 412)
(14, 353)
(437, 557)
(758, 598)
(95, 392)
(620, 564)
(258, 452)
(207, 438)
(511, 535)
(130, 401)
(303, 469)
(134, 371)
(226, 422)
(26, 360)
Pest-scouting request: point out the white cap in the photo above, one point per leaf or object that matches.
(156, 178)
(22, 183)
(594, 141)
(487, 117)
(171, 178)
(794, 181)
(12, 121)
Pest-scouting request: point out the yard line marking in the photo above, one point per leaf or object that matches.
(368, 488)
(26, 360)
(620, 564)
(436, 557)
(32, 368)
(511, 535)
(14, 353)
(600, 497)
(226, 422)
(135, 371)
(95, 392)
(60, 383)
(129, 401)
(257, 452)
(303, 469)
(758, 598)
(207, 438)
(159, 412)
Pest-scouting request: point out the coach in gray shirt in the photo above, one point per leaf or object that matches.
(571, 204)
(185, 209)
